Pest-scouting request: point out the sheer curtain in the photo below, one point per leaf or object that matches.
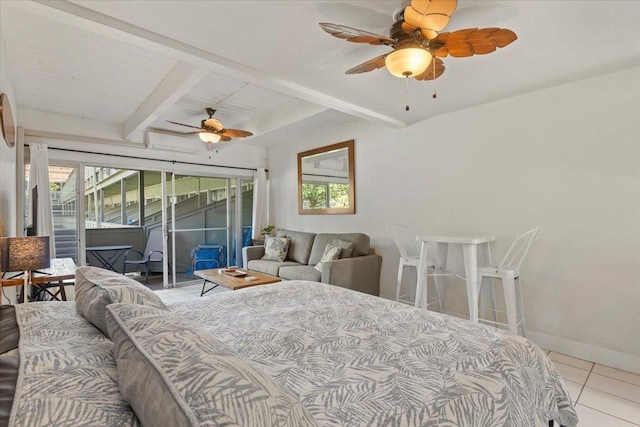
(260, 206)
(39, 175)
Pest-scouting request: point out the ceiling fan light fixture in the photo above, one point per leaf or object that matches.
(209, 137)
(408, 62)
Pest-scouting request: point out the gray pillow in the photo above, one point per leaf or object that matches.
(96, 288)
(275, 248)
(330, 253)
(174, 373)
(347, 248)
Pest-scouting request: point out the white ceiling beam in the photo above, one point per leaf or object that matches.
(79, 16)
(283, 116)
(178, 82)
(46, 121)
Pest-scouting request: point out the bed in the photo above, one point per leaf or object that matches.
(293, 354)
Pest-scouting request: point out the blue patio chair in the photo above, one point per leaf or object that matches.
(207, 256)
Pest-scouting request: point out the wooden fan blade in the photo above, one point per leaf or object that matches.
(370, 65)
(473, 41)
(182, 124)
(429, 73)
(234, 133)
(430, 16)
(355, 35)
(225, 138)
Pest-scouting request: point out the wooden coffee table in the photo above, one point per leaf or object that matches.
(229, 280)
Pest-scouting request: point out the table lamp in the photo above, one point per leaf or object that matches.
(26, 254)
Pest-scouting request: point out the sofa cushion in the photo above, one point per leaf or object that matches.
(330, 253)
(347, 248)
(275, 248)
(96, 288)
(360, 244)
(269, 267)
(174, 373)
(300, 272)
(300, 244)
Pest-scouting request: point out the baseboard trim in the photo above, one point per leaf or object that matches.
(592, 353)
(600, 355)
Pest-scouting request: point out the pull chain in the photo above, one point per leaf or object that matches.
(434, 78)
(407, 93)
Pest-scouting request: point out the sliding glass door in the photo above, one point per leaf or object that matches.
(205, 220)
(63, 181)
(198, 215)
(203, 228)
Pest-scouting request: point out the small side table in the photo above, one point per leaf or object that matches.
(60, 274)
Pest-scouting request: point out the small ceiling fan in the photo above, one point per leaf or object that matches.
(417, 42)
(212, 130)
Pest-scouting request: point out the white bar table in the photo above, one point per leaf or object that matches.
(469, 243)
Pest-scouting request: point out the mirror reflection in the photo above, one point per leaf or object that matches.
(326, 182)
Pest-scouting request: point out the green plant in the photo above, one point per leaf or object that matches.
(267, 230)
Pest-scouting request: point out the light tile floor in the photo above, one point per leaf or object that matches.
(603, 396)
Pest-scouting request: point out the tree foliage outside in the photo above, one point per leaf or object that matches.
(314, 196)
(339, 195)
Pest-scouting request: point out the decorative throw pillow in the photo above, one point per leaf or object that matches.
(347, 247)
(174, 373)
(330, 253)
(275, 248)
(96, 288)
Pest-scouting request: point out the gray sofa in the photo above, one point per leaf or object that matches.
(360, 272)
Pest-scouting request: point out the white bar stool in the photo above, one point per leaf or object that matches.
(405, 240)
(509, 272)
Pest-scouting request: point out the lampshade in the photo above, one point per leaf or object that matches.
(209, 136)
(24, 253)
(408, 62)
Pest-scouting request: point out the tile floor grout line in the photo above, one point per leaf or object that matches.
(585, 383)
(608, 414)
(614, 378)
(613, 395)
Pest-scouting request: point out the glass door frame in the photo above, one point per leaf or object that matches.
(101, 160)
(233, 227)
(80, 209)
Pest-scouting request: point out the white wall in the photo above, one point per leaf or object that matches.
(566, 159)
(7, 154)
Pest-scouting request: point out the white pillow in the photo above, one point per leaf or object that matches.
(275, 248)
(330, 253)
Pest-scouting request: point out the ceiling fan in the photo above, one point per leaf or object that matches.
(212, 130)
(417, 42)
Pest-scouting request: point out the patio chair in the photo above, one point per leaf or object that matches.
(152, 253)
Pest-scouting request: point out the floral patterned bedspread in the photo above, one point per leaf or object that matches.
(354, 359)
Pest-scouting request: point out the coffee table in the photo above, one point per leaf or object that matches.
(218, 277)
